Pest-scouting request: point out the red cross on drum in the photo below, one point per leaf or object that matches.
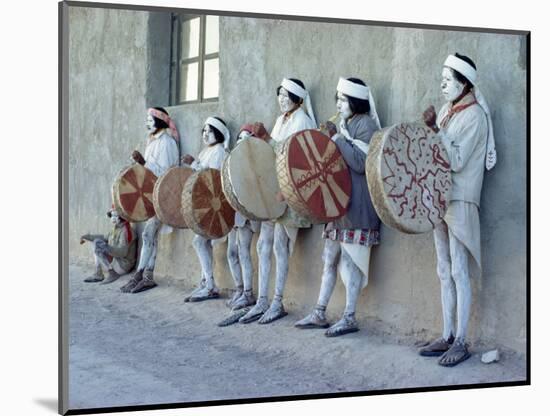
(132, 193)
(204, 207)
(313, 176)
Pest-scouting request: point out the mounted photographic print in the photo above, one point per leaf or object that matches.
(260, 207)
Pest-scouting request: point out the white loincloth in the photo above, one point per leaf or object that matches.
(361, 257)
(462, 218)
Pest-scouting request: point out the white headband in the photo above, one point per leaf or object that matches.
(352, 89)
(362, 92)
(214, 122)
(463, 67)
(295, 89)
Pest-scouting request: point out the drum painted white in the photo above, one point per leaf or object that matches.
(119, 67)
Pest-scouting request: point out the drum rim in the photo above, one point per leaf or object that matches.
(156, 198)
(187, 194)
(116, 194)
(233, 197)
(376, 183)
(302, 208)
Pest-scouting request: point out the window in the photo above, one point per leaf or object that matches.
(195, 62)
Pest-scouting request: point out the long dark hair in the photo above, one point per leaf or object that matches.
(160, 124)
(461, 78)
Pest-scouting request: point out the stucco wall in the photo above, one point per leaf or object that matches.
(403, 68)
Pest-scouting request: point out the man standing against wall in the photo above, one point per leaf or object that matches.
(465, 127)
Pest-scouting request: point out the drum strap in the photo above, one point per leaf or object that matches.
(128, 231)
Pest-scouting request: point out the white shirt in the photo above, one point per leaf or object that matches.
(161, 153)
(210, 157)
(296, 122)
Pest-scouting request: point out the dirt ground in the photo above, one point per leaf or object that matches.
(132, 349)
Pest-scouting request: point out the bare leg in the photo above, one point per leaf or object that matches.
(282, 254)
(234, 265)
(244, 241)
(459, 271)
(149, 244)
(317, 318)
(143, 278)
(264, 248)
(203, 247)
(448, 293)
(348, 323)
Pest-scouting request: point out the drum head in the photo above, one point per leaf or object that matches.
(249, 180)
(204, 206)
(409, 177)
(133, 193)
(314, 177)
(167, 196)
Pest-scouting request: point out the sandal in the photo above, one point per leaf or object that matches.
(437, 347)
(455, 355)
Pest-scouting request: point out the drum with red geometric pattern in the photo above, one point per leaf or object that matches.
(167, 196)
(314, 177)
(132, 193)
(204, 206)
(409, 177)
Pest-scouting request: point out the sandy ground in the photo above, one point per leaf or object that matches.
(132, 349)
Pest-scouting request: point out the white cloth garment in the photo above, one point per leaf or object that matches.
(210, 157)
(470, 73)
(286, 127)
(361, 258)
(465, 139)
(161, 154)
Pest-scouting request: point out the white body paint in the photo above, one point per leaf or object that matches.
(274, 237)
(342, 106)
(239, 259)
(452, 269)
(450, 87)
(210, 157)
(335, 258)
(466, 148)
(149, 240)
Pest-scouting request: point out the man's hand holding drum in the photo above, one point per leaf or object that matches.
(260, 131)
(138, 157)
(429, 118)
(187, 159)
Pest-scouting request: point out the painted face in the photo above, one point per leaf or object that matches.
(245, 134)
(115, 218)
(450, 87)
(150, 123)
(285, 103)
(208, 135)
(342, 105)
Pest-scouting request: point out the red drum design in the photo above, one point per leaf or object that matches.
(167, 196)
(314, 177)
(204, 206)
(409, 177)
(133, 193)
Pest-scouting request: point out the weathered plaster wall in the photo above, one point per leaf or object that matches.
(403, 68)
